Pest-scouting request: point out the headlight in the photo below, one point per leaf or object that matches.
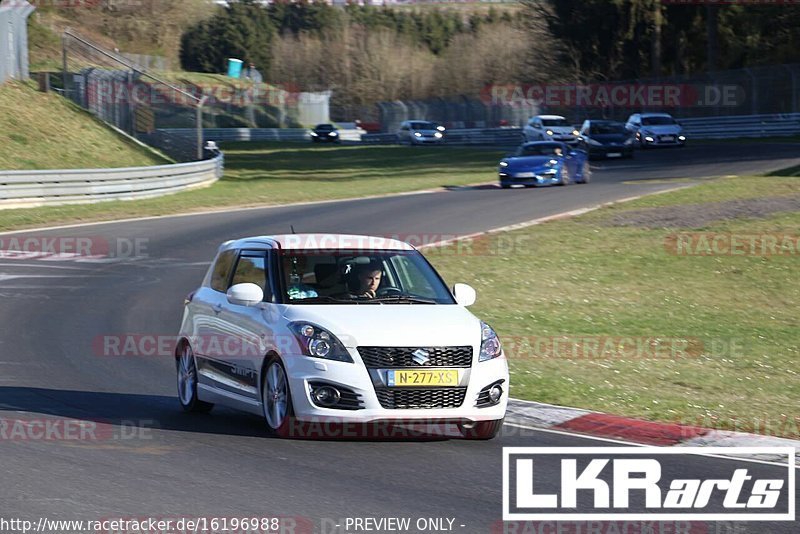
(317, 342)
(314, 134)
(440, 128)
(333, 134)
(490, 345)
(438, 135)
(576, 133)
(551, 163)
(417, 134)
(504, 164)
(681, 138)
(549, 132)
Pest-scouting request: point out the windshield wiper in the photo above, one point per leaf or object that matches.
(410, 299)
(328, 298)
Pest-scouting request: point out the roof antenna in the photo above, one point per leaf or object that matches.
(292, 228)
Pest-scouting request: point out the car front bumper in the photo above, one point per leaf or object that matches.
(663, 140)
(302, 371)
(610, 151)
(525, 178)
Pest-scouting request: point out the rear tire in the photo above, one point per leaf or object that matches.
(187, 382)
(483, 430)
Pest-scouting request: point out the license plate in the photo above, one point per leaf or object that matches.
(422, 377)
(614, 154)
(667, 138)
(525, 175)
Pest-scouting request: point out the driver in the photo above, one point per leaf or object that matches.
(368, 277)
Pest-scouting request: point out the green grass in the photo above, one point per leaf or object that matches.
(584, 277)
(260, 174)
(45, 131)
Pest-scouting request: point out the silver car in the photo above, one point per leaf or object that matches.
(418, 132)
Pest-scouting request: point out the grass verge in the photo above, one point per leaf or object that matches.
(260, 174)
(46, 131)
(728, 323)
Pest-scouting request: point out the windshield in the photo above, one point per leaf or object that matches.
(353, 277)
(657, 121)
(604, 128)
(423, 126)
(541, 149)
(324, 127)
(555, 122)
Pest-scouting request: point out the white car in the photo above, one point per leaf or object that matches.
(329, 328)
(655, 129)
(549, 128)
(417, 132)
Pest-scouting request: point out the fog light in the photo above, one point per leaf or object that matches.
(495, 393)
(326, 395)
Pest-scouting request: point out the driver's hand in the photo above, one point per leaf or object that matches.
(370, 294)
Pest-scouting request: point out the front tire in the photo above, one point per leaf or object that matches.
(564, 176)
(483, 430)
(586, 173)
(276, 399)
(187, 383)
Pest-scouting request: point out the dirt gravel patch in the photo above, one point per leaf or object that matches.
(699, 215)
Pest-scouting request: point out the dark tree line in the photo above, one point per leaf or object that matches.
(626, 39)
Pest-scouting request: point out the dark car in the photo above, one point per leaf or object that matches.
(544, 163)
(606, 139)
(325, 133)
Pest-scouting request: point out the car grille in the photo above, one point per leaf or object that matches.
(421, 398)
(383, 357)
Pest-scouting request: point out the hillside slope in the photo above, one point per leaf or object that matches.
(45, 131)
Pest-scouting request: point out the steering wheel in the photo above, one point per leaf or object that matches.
(389, 292)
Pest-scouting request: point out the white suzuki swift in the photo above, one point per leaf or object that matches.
(343, 329)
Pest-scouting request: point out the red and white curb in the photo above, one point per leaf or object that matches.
(637, 431)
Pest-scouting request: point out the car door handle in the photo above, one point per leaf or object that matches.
(217, 308)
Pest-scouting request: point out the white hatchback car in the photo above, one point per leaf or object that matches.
(549, 128)
(418, 132)
(306, 328)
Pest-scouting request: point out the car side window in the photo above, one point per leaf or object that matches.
(222, 270)
(252, 268)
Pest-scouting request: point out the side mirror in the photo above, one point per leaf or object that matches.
(465, 295)
(246, 294)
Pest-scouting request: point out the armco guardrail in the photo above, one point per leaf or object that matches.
(477, 136)
(742, 126)
(259, 134)
(20, 189)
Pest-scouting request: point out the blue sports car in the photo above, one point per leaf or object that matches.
(544, 163)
